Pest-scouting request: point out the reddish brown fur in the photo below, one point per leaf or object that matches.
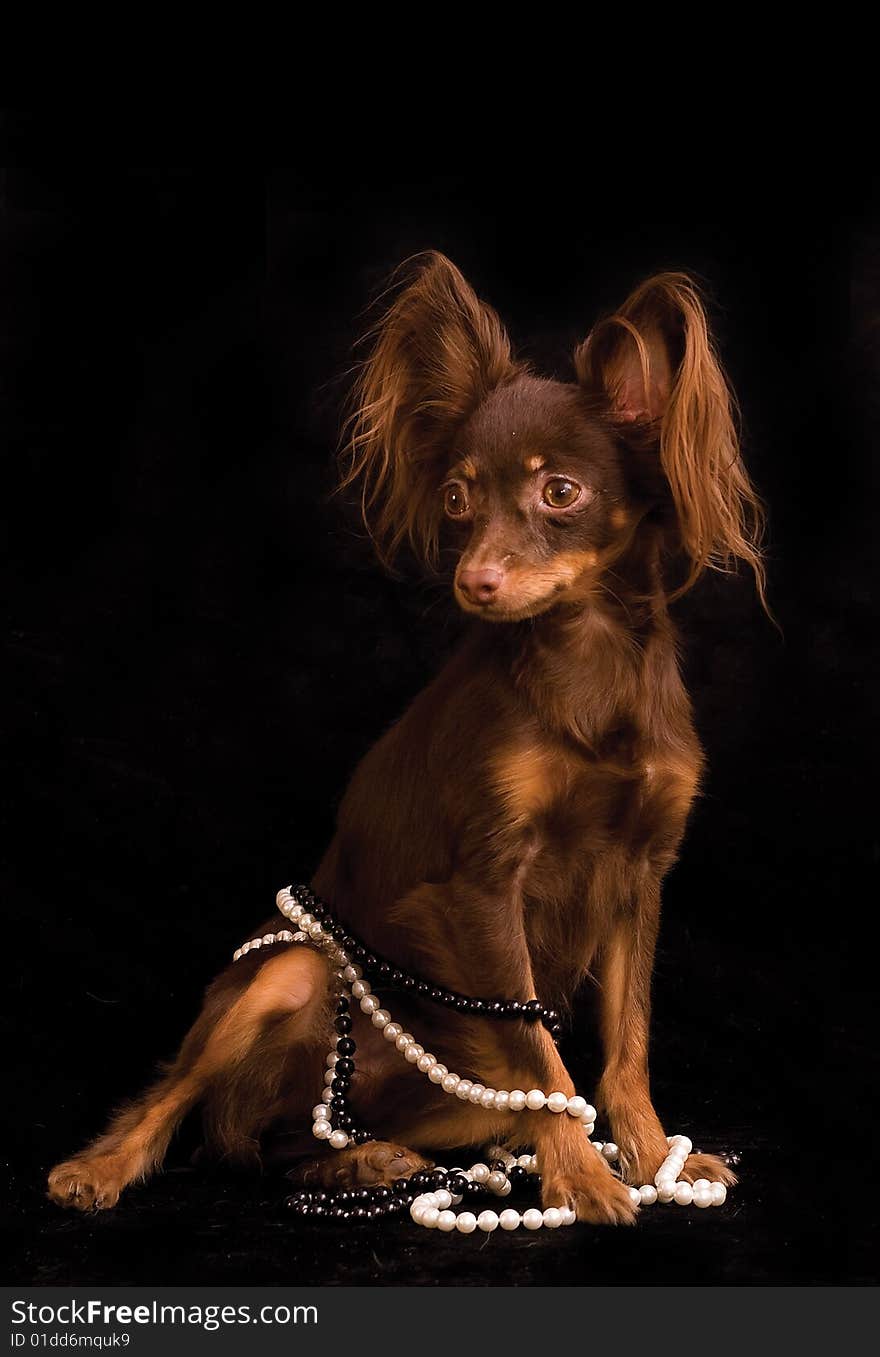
(510, 834)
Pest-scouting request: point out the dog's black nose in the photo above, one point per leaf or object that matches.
(479, 586)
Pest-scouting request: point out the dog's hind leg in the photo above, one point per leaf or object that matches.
(241, 1041)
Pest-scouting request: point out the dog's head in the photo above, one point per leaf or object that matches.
(539, 486)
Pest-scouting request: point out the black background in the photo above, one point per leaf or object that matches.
(200, 648)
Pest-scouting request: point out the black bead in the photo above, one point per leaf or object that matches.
(550, 1016)
(321, 1196)
(516, 1173)
(344, 1067)
(435, 994)
(532, 1011)
(513, 1009)
(383, 970)
(496, 1008)
(342, 1004)
(474, 1189)
(337, 932)
(462, 1003)
(370, 962)
(448, 999)
(409, 982)
(319, 1211)
(345, 1046)
(381, 1193)
(498, 1167)
(361, 1136)
(396, 978)
(401, 1185)
(556, 1031)
(343, 1024)
(357, 953)
(422, 987)
(344, 1121)
(340, 1087)
(349, 944)
(477, 1007)
(457, 1184)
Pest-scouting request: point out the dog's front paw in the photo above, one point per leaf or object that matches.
(88, 1183)
(707, 1166)
(598, 1198)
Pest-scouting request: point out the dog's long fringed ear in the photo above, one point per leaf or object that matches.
(435, 354)
(654, 366)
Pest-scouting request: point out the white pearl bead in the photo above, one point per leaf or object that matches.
(683, 1144)
(589, 1114)
(719, 1194)
(282, 897)
(589, 1128)
(703, 1197)
(430, 1217)
(684, 1194)
(391, 1031)
(446, 1221)
(327, 1095)
(306, 921)
(464, 1090)
(331, 1060)
(236, 955)
(610, 1150)
(480, 1172)
(509, 1219)
(319, 1112)
(300, 937)
(701, 1183)
(557, 1102)
(417, 1210)
(360, 988)
(413, 1052)
(487, 1221)
(576, 1106)
(352, 974)
(648, 1194)
(466, 1223)
(535, 1099)
(315, 930)
(502, 1100)
(517, 1100)
(598, 1145)
(449, 1083)
(569, 1215)
(443, 1198)
(524, 1161)
(476, 1093)
(322, 1130)
(532, 1219)
(255, 943)
(339, 1140)
(496, 1180)
(381, 1017)
(487, 1098)
(425, 1061)
(552, 1218)
(665, 1191)
(505, 1189)
(635, 1196)
(329, 1076)
(369, 1003)
(285, 935)
(436, 1073)
(405, 1039)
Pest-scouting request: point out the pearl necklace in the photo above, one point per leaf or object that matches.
(333, 1123)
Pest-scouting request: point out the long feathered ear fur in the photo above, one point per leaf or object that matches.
(436, 353)
(655, 364)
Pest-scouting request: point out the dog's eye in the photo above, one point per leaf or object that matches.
(560, 493)
(455, 500)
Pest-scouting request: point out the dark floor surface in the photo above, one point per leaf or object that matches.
(187, 1227)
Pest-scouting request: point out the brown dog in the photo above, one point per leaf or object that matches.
(513, 829)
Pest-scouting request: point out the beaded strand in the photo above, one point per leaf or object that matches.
(334, 1124)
